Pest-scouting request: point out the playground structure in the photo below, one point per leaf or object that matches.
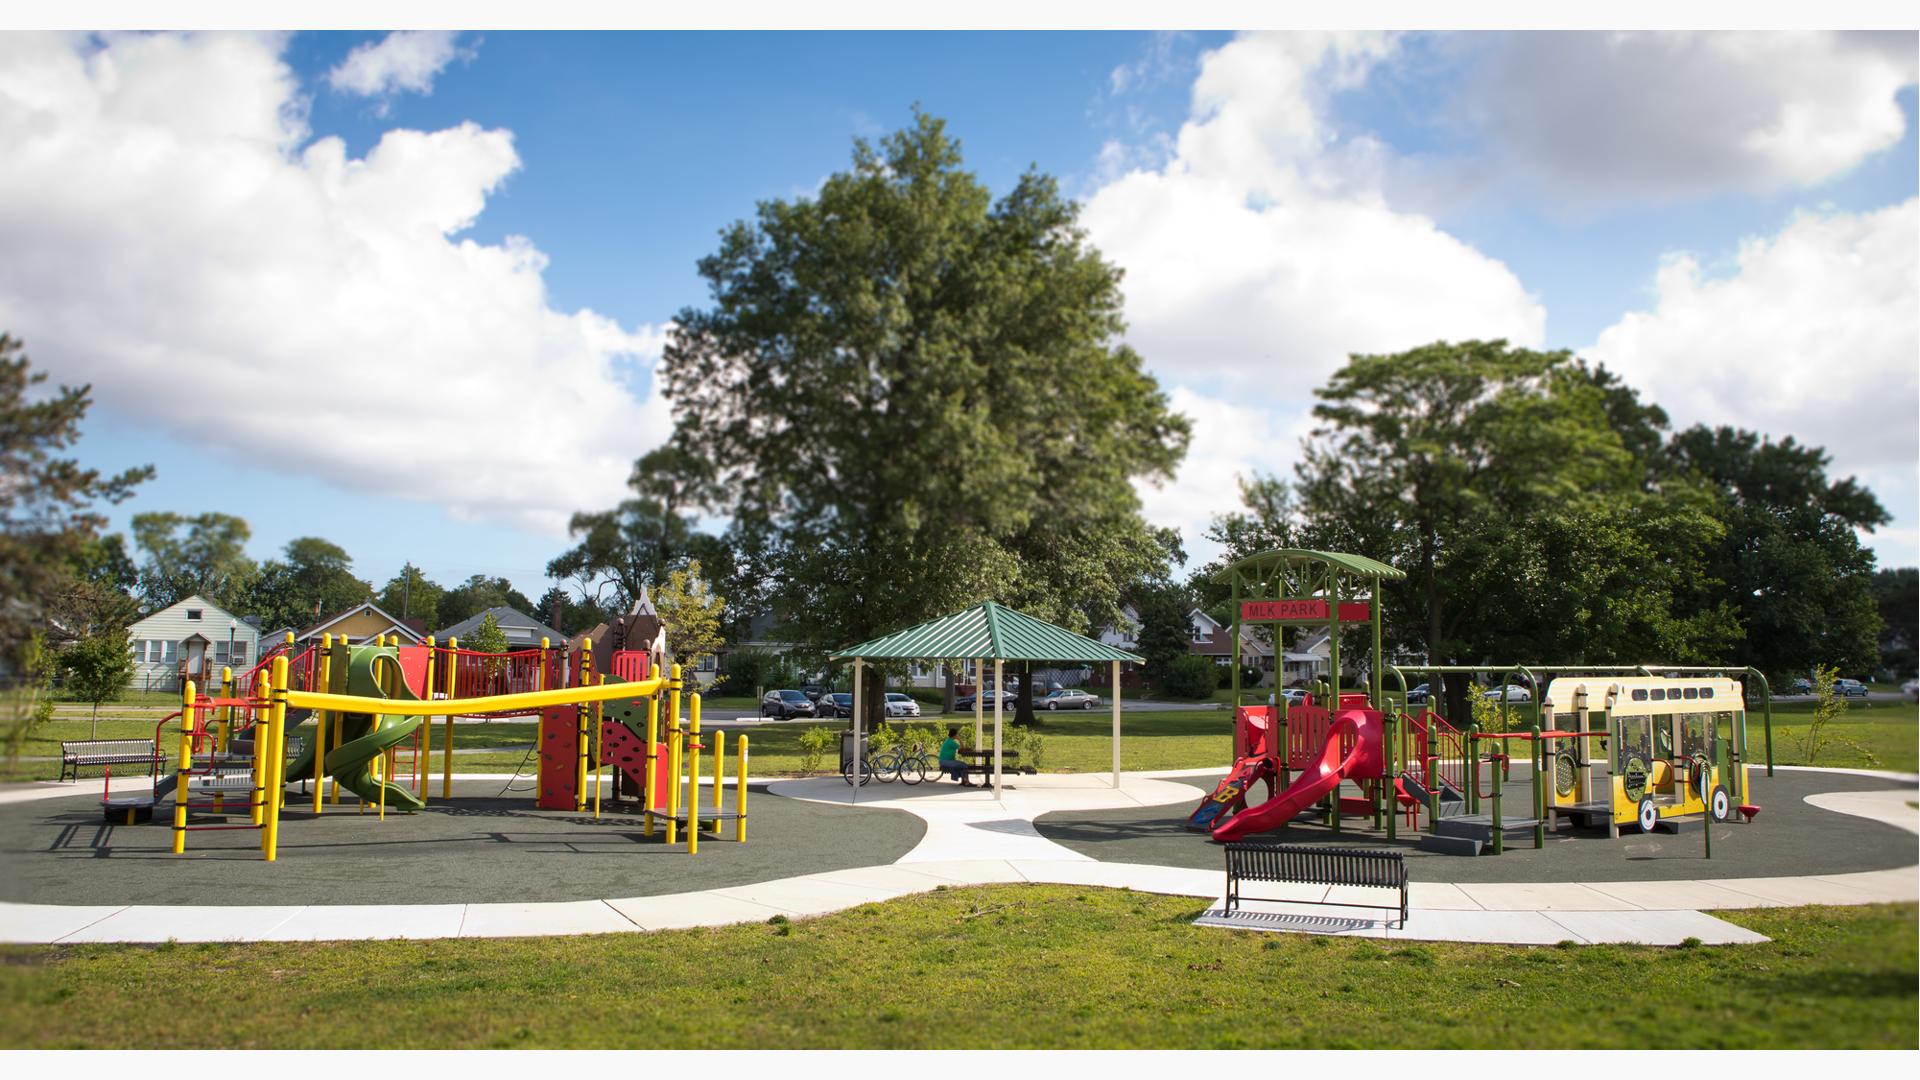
(1605, 745)
(359, 716)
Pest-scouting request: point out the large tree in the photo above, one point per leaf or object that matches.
(638, 543)
(477, 594)
(315, 579)
(48, 516)
(914, 396)
(204, 555)
(1790, 556)
(1897, 592)
(410, 594)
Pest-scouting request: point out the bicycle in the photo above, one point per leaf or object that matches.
(884, 765)
(914, 765)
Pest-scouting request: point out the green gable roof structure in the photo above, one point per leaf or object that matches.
(987, 631)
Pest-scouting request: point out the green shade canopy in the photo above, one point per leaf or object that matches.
(987, 631)
(1360, 565)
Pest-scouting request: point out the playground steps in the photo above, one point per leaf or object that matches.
(1471, 834)
(1414, 793)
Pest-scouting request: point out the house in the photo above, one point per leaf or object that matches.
(360, 623)
(522, 631)
(192, 639)
(1214, 639)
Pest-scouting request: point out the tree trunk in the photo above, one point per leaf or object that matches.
(1023, 705)
(93, 728)
(946, 688)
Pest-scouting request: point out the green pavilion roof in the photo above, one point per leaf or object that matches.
(1352, 564)
(987, 631)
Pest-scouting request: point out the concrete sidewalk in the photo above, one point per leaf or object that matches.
(974, 838)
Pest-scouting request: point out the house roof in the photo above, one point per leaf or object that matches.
(506, 617)
(195, 601)
(321, 626)
(986, 631)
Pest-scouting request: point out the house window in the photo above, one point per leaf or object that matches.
(239, 652)
(193, 614)
(1199, 635)
(167, 652)
(708, 663)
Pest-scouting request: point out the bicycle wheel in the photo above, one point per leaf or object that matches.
(913, 770)
(866, 773)
(887, 766)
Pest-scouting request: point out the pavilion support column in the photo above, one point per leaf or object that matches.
(1116, 723)
(999, 703)
(979, 702)
(859, 669)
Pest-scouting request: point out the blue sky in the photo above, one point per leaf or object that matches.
(631, 151)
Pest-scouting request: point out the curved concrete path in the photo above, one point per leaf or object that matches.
(974, 838)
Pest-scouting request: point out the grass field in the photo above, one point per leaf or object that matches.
(999, 966)
(1883, 735)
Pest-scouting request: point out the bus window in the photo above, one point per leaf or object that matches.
(1663, 737)
(1693, 735)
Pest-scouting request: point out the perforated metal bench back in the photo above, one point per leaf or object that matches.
(1317, 865)
(98, 749)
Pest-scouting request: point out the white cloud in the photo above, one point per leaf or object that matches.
(1258, 256)
(1812, 332)
(1607, 117)
(173, 238)
(403, 60)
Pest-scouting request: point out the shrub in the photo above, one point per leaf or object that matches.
(1036, 750)
(814, 742)
(1191, 677)
(752, 671)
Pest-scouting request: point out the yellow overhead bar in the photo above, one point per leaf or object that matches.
(537, 699)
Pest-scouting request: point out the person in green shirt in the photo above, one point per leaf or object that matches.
(950, 762)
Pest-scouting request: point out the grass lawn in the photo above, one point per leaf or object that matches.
(999, 966)
(1078, 742)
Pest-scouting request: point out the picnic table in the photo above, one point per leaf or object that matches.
(1009, 762)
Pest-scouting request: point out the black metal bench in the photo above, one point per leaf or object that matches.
(103, 753)
(1302, 865)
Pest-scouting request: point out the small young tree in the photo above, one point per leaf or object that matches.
(1827, 705)
(691, 613)
(29, 703)
(98, 667)
(489, 638)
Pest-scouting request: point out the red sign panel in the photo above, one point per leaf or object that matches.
(1302, 611)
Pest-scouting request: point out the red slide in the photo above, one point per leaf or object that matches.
(1317, 779)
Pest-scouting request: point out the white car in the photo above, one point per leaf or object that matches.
(902, 705)
(1910, 689)
(1514, 693)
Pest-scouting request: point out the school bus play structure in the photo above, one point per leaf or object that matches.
(1646, 746)
(358, 717)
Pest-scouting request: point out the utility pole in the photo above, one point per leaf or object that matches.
(406, 590)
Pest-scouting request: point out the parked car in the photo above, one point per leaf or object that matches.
(1513, 693)
(1910, 689)
(1294, 695)
(1800, 686)
(1850, 688)
(1068, 699)
(1418, 695)
(834, 705)
(964, 703)
(785, 704)
(813, 692)
(902, 705)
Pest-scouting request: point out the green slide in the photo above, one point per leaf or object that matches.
(363, 736)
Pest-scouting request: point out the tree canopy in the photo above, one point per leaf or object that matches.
(49, 520)
(914, 396)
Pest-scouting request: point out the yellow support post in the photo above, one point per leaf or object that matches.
(276, 757)
(320, 719)
(693, 775)
(740, 796)
(647, 792)
(673, 784)
(599, 748)
(719, 774)
(453, 691)
(581, 713)
(223, 733)
(183, 769)
(382, 766)
(424, 760)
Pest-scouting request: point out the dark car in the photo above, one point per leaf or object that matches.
(964, 703)
(1417, 695)
(835, 705)
(813, 692)
(785, 704)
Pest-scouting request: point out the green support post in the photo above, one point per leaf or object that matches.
(1499, 837)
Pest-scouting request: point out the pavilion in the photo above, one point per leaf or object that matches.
(983, 632)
